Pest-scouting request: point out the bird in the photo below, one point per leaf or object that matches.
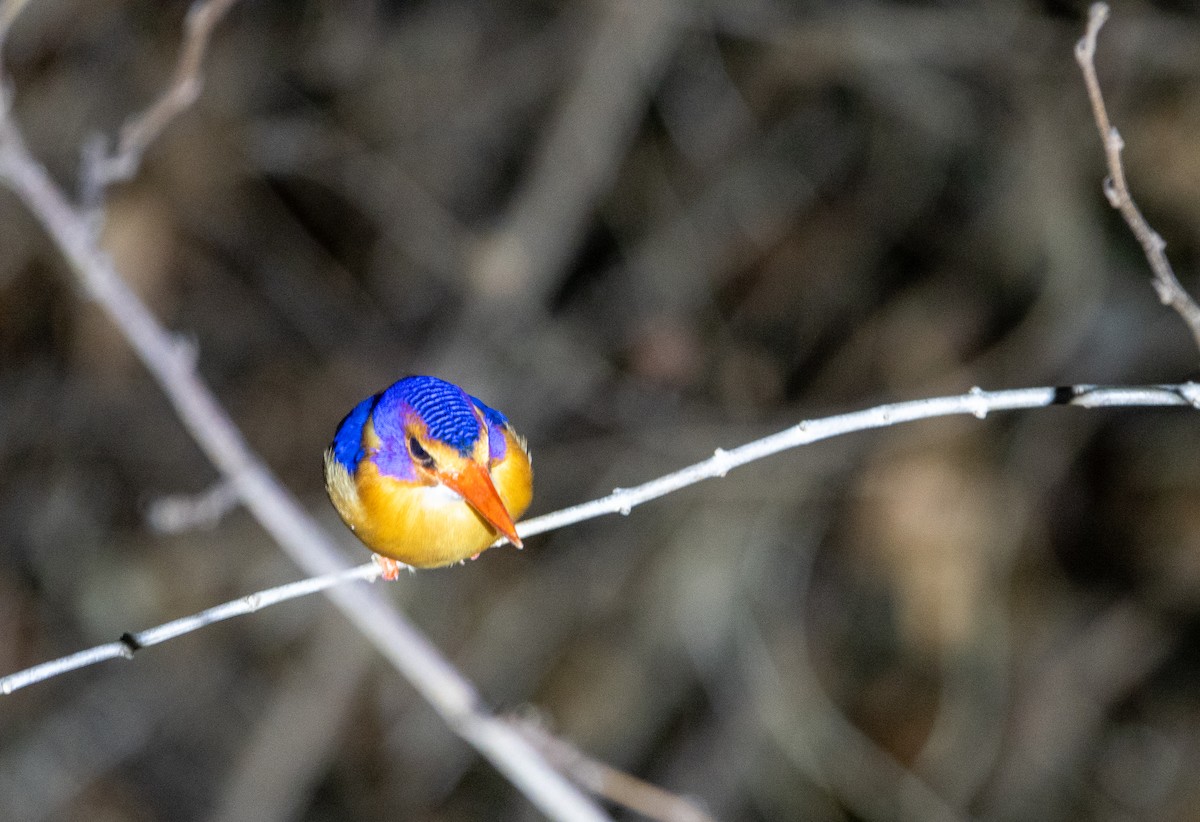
(427, 475)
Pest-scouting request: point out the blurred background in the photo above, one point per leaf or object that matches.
(643, 230)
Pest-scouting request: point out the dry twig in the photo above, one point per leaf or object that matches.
(184, 512)
(131, 643)
(101, 169)
(604, 780)
(1116, 189)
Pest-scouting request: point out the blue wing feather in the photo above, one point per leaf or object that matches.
(347, 442)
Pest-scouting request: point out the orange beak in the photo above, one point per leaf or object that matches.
(475, 486)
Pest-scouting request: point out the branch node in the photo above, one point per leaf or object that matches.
(721, 462)
(1166, 295)
(979, 403)
(1111, 193)
(129, 645)
(618, 497)
(1190, 391)
(1116, 140)
(1064, 395)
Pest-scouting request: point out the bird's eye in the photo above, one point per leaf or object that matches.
(418, 453)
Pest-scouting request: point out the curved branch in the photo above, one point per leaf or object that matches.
(976, 402)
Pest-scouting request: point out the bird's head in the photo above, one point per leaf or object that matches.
(431, 432)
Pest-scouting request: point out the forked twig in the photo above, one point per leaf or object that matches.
(611, 783)
(102, 169)
(1116, 189)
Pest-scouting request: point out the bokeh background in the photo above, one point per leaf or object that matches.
(643, 230)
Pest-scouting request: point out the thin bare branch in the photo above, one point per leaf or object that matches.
(604, 780)
(977, 403)
(1116, 189)
(129, 644)
(185, 512)
(102, 169)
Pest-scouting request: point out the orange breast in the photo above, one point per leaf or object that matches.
(425, 526)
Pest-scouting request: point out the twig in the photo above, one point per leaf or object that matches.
(604, 780)
(129, 644)
(184, 512)
(977, 403)
(83, 734)
(1170, 292)
(101, 169)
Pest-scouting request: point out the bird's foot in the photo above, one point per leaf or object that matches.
(476, 556)
(389, 568)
